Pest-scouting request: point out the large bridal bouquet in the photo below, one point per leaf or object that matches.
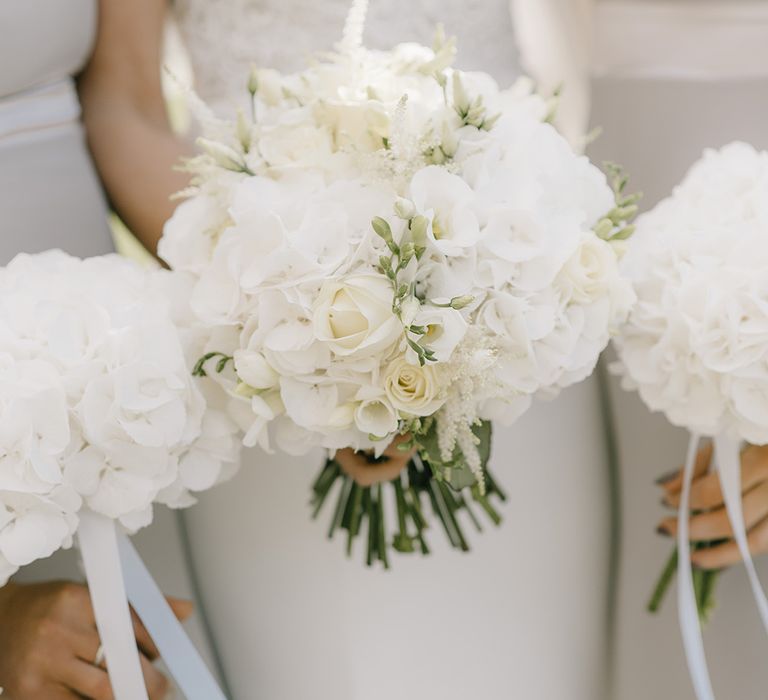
(100, 417)
(696, 344)
(387, 246)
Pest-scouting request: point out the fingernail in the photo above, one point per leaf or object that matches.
(662, 530)
(666, 478)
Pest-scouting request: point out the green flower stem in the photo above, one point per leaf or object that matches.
(704, 585)
(487, 507)
(414, 507)
(323, 485)
(660, 590)
(355, 504)
(382, 537)
(492, 487)
(402, 542)
(341, 505)
(450, 499)
(464, 505)
(370, 514)
(706, 599)
(441, 510)
(355, 516)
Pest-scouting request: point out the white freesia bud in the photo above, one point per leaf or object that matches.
(254, 370)
(267, 84)
(412, 389)
(404, 208)
(353, 316)
(253, 80)
(461, 101)
(243, 129)
(461, 302)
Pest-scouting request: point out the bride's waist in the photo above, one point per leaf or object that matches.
(39, 111)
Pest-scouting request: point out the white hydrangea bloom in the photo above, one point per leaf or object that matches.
(98, 407)
(696, 345)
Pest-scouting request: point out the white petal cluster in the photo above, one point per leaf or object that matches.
(98, 407)
(479, 285)
(696, 344)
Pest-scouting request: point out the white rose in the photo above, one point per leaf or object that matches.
(412, 389)
(354, 317)
(590, 272)
(287, 145)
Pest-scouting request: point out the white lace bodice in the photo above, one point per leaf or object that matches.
(224, 37)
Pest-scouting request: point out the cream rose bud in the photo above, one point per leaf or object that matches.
(589, 271)
(254, 370)
(413, 389)
(354, 317)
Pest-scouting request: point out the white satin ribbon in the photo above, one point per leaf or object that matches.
(728, 460)
(728, 463)
(177, 651)
(690, 627)
(98, 545)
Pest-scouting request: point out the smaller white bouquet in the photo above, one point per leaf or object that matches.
(100, 419)
(98, 407)
(387, 246)
(695, 346)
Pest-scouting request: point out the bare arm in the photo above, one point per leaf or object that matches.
(125, 117)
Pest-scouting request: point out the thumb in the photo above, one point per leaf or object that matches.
(183, 609)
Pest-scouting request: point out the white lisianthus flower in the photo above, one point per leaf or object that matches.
(445, 329)
(413, 390)
(376, 416)
(353, 316)
(448, 202)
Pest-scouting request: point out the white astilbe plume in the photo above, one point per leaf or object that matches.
(468, 379)
(354, 26)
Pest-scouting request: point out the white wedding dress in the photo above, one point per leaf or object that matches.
(525, 614)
